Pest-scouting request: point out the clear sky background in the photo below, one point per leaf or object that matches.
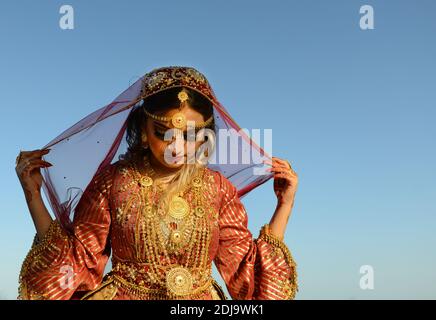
(354, 111)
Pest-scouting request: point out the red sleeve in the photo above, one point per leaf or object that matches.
(62, 263)
(261, 268)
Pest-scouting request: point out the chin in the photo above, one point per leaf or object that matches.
(173, 165)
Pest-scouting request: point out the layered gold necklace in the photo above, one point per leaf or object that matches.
(174, 242)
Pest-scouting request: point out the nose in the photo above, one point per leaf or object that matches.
(179, 146)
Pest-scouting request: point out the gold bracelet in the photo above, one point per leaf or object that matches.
(32, 258)
(267, 230)
(290, 285)
(276, 242)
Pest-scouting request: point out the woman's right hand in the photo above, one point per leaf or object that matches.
(28, 171)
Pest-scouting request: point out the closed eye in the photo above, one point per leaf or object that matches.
(160, 135)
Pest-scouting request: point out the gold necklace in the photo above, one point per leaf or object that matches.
(178, 207)
(178, 276)
(175, 229)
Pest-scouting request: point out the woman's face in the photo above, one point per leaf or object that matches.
(177, 149)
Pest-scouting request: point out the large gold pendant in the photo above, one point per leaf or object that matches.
(178, 208)
(179, 281)
(178, 120)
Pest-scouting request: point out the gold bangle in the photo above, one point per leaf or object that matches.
(266, 236)
(267, 230)
(290, 285)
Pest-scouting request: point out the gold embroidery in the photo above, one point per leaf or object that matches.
(160, 293)
(34, 261)
(290, 285)
(107, 290)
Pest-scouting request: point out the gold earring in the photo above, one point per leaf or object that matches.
(144, 140)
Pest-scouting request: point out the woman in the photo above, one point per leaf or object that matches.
(161, 210)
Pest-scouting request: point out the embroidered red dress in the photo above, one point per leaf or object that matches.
(111, 217)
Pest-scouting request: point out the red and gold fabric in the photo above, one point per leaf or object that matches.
(111, 218)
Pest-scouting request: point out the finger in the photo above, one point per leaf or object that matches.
(288, 174)
(280, 165)
(284, 162)
(31, 163)
(277, 161)
(283, 173)
(48, 164)
(283, 176)
(279, 169)
(31, 167)
(33, 154)
(37, 161)
(27, 153)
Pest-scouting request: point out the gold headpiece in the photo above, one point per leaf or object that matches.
(178, 119)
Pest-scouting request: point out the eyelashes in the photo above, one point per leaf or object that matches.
(159, 135)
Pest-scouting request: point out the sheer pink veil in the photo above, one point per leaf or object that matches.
(96, 141)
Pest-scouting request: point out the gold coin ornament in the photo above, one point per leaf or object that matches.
(148, 211)
(183, 96)
(179, 281)
(199, 211)
(176, 237)
(178, 120)
(146, 181)
(179, 208)
(196, 182)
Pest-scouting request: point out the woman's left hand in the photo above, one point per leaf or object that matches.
(285, 181)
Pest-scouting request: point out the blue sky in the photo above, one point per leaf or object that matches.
(352, 110)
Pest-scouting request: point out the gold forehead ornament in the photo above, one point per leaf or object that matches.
(179, 119)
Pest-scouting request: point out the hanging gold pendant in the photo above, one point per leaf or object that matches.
(146, 181)
(176, 237)
(199, 211)
(179, 281)
(178, 208)
(197, 182)
(178, 120)
(148, 211)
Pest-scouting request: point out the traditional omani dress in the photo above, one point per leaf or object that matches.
(157, 255)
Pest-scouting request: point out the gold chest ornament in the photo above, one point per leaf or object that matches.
(179, 281)
(178, 208)
(178, 226)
